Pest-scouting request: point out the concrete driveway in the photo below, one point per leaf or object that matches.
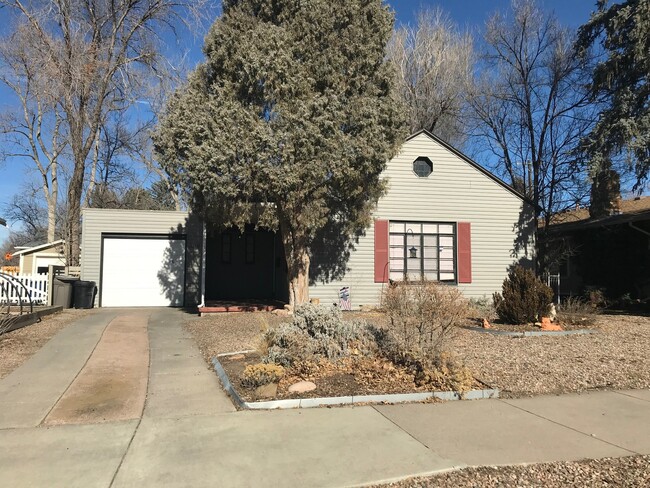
(124, 398)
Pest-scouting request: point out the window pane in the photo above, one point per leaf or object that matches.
(447, 276)
(412, 240)
(446, 265)
(446, 253)
(397, 252)
(447, 241)
(430, 228)
(430, 240)
(397, 227)
(413, 227)
(430, 252)
(431, 275)
(431, 264)
(396, 275)
(446, 229)
(396, 264)
(396, 240)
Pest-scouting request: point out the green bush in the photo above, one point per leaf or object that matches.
(524, 297)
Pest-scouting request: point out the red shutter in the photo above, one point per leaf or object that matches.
(381, 251)
(464, 252)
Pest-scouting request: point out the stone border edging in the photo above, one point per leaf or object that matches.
(344, 400)
(32, 317)
(531, 333)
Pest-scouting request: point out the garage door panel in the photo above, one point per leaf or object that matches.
(143, 272)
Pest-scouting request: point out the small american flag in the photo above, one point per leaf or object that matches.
(344, 298)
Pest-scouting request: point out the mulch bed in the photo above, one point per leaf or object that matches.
(347, 377)
(630, 471)
(617, 357)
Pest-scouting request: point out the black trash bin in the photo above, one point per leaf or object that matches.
(84, 294)
(62, 290)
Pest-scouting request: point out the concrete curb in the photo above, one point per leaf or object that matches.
(33, 317)
(531, 333)
(345, 400)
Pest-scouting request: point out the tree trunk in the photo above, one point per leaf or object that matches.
(297, 256)
(75, 190)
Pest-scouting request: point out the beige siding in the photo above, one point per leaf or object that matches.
(455, 192)
(98, 221)
(28, 264)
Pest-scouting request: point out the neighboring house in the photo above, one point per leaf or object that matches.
(610, 253)
(35, 258)
(443, 216)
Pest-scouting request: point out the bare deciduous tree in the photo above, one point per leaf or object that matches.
(532, 107)
(99, 56)
(434, 63)
(36, 129)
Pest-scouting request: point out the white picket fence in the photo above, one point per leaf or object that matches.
(36, 287)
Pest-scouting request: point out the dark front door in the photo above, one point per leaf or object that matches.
(242, 265)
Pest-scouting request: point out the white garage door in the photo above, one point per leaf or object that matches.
(143, 272)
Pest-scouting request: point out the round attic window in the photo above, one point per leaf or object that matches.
(422, 167)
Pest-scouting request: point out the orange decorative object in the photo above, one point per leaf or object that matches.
(8, 256)
(547, 325)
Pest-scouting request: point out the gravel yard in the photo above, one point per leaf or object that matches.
(18, 346)
(230, 332)
(631, 471)
(618, 357)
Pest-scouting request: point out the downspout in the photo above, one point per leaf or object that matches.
(203, 255)
(643, 231)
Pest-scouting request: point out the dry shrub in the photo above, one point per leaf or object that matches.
(255, 375)
(574, 311)
(316, 332)
(423, 315)
(446, 373)
(525, 298)
(482, 308)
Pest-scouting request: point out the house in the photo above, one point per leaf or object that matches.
(443, 217)
(609, 253)
(36, 257)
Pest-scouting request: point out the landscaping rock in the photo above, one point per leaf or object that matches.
(302, 387)
(486, 324)
(281, 312)
(266, 391)
(236, 357)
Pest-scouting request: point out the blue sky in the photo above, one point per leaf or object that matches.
(469, 14)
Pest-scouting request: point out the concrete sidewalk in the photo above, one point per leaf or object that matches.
(190, 435)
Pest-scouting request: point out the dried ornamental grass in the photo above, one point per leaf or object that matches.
(255, 375)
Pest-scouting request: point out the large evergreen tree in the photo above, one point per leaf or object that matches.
(289, 122)
(621, 81)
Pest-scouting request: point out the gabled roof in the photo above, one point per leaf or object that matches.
(632, 210)
(40, 247)
(471, 162)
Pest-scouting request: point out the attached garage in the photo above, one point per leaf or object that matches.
(142, 258)
(142, 270)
